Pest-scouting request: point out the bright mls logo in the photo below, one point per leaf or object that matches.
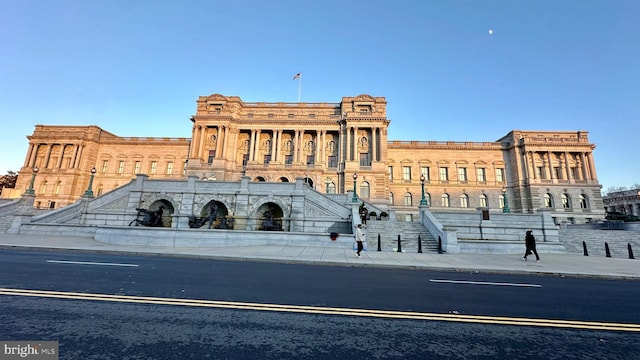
(33, 350)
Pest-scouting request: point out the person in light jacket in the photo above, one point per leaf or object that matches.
(360, 238)
(530, 242)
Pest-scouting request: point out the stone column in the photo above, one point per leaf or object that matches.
(374, 144)
(32, 155)
(59, 164)
(296, 134)
(356, 157)
(47, 157)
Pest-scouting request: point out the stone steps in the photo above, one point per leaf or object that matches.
(408, 231)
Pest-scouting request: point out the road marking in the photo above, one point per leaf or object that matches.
(483, 283)
(498, 320)
(89, 263)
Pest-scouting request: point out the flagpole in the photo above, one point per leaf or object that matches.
(299, 86)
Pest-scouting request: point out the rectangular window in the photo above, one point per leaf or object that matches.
(364, 159)
(540, 173)
(333, 161)
(462, 174)
(390, 170)
(406, 173)
(444, 174)
(267, 159)
(136, 169)
(169, 167)
(424, 171)
(311, 159)
(558, 172)
(500, 175)
(212, 155)
(121, 167)
(105, 166)
(288, 159)
(574, 173)
(482, 175)
(153, 167)
(245, 159)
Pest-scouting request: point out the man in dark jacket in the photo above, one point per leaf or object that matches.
(530, 242)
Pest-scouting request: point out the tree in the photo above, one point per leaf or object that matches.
(8, 181)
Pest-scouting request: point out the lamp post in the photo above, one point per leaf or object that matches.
(505, 208)
(30, 190)
(355, 196)
(327, 182)
(89, 192)
(423, 200)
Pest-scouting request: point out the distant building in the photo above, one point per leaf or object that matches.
(335, 147)
(626, 202)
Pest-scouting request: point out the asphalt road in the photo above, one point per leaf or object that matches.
(249, 310)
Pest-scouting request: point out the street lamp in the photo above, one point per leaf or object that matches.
(505, 208)
(355, 196)
(33, 178)
(89, 192)
(423, 201)
(327, 182)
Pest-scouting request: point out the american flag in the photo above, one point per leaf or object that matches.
(297, 76)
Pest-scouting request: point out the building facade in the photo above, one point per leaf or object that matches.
(626, 202)
(335, 147)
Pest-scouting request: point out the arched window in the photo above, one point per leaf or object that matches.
(390, 198)
(100, 190)
(408, 199)
(566, 201)
(364, 189)
(56, 190)
(483, 200)
(43, 188)
(501, 201)
(331, 189)
(464, 201)
(583, 202)
(548, 200)
(445, 200)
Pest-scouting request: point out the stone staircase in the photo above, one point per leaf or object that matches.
(408, 231)
(595, 239)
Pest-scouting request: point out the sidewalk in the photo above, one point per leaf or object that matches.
(550, 264)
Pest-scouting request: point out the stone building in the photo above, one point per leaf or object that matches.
(336, 148)
(626, 202)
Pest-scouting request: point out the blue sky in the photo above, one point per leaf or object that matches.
(136, 68)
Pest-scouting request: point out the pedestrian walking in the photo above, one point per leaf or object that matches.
(530, 242)
(360, 238)
(364, 214)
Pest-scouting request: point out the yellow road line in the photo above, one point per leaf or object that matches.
(499, 320)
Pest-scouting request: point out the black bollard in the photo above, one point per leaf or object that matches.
(379, 246)
(584, 248)
(630, 251)
(419, 244)
(439, 245)
(606, 249)
(399, 244)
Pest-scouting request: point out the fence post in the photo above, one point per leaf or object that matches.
(584, 248)
(606, 249)
(379, 247)
(419, 244)
(399, 244)
(439, 245)
(630, 251)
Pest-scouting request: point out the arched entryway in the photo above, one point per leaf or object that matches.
(269, 217)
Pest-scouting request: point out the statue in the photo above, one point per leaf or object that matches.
(225, 223)
(213, 214)
(149, 217)
(269, 224)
